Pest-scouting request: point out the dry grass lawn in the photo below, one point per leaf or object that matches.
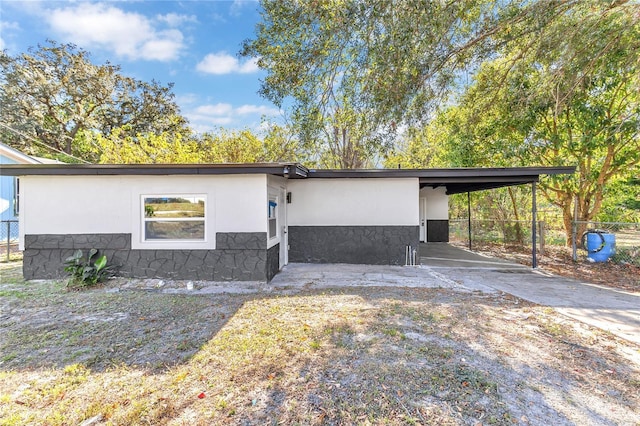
(388, 356)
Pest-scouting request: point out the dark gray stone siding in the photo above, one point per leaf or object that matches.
(78, 241)
(241, 240)
(238, 257)
(374, 245)
(273, 261)
(438, 231)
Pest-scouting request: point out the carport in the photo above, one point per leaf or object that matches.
(457, 181)
(461, 180)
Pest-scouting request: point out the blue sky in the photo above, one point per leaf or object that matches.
(193, 44)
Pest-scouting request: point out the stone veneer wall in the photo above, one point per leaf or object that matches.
(374, 245)
(437, 231)
(237, 257)
(273, 261)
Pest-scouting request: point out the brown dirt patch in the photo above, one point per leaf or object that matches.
(338, 356)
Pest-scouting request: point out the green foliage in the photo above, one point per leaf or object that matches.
(55, 95)
(545, 99)
(120, 147)
(85, 271)
(235, 146)
(357, 71)
(621, 201)
(388, 59)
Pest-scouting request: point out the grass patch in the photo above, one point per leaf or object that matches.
(13, 293)
(355, 356)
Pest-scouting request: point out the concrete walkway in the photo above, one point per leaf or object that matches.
(612, 310)
(448, 267)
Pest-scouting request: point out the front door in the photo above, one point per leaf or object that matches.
(423, 220)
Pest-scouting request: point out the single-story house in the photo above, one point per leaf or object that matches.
(237, 221)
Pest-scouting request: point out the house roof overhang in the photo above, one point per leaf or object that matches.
(288, 170)
(456, 180)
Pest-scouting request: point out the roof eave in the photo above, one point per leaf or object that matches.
(290, 170)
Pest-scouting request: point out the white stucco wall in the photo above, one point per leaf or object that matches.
(353, 202)
(111, 204)
(437, 203)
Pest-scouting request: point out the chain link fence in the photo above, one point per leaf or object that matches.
(519, 234)
(9, 234)
(512, 232)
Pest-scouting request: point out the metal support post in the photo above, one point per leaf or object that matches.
(574, 230)
(8, 241)
(534, 220)
(469, 216)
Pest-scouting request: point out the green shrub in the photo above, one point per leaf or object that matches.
(84, 271)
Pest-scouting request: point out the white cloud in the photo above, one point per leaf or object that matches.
(257, 109)
(6, 28)
(206, 117)
(175, 20)
(223, 63)
(250, 66)
(237, 6)
(218, 63)
(129, 35)
(217, 109)
(186, 99)
(164, 48)
(6, 25)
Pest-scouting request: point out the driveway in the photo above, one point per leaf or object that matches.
(612, 310)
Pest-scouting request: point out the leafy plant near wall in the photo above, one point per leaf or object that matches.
(84, 271)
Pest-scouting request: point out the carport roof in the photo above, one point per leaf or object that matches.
(456, 180)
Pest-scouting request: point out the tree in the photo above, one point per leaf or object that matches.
(281, 145)
(123, 147)
(391, 63)
(303, 45)
(531, 115)
(622, 199)
(241, 146)
(53, 94)
(567, 93)
(237, 146)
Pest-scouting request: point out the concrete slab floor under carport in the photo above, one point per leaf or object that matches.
(449, 267)
(446, 255)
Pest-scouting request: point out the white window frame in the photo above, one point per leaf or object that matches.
(273, 214)
(173, 244)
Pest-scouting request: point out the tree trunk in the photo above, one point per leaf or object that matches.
(516, 215)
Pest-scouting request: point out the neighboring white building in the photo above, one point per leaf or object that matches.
(236, 221)
(9, 186)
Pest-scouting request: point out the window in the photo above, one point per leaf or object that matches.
(273, 217)
(16, 196)
(175, 217)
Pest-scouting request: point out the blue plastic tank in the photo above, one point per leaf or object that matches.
(600, 245)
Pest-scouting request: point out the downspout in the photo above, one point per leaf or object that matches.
(469, 217)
